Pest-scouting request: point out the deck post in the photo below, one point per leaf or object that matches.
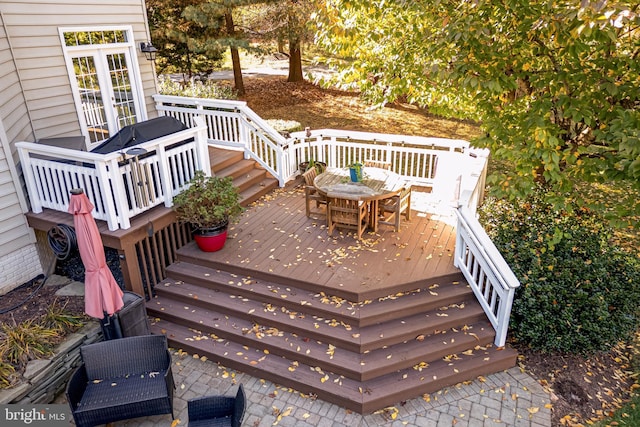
(27, 171)
(202, 146)
(111, 183)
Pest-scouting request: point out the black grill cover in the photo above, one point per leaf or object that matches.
(138, 133)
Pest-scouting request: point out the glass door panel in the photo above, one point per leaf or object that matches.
(91, 97)
(122, 95)
(106, 91)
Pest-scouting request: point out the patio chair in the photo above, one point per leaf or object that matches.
(121, 379)
(217, 410)
(311, 193)
(345, 212)
(392, 208)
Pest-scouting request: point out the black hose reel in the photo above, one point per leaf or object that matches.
(62, 240)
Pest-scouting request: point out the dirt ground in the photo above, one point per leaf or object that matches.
(583, 389)
(38, 300)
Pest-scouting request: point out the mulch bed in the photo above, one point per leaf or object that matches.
(33, 300)
(582, 388)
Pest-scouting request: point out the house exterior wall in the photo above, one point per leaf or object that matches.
(19, 258)
(36, 101)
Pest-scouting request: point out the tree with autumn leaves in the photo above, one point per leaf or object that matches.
(192, 34)
(178, 39)
(555, 89)
(554, 85)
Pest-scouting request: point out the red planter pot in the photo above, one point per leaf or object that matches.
(211, 240)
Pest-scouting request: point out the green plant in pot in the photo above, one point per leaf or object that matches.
(355, 172)
(208, 205)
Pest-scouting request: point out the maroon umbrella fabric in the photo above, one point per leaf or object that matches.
(102, 293)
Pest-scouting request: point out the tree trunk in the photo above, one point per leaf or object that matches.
(295, 62)
(235, 55)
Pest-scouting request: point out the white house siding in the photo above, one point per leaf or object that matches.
(19, 260)
(33, 30)
(36, 101)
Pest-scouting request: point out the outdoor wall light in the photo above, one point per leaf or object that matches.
(149, 50)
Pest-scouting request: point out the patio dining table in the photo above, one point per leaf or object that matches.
(377, 184)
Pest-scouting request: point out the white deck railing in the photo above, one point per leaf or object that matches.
(119, 186)
(436, 163)
(487, 272)
(231, 124)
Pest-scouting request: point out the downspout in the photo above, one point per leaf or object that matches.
(15, 65)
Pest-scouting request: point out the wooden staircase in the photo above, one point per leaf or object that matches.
(251, 180)
(362, 356)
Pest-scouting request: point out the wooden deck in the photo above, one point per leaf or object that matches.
(361, 323)
(275, 236)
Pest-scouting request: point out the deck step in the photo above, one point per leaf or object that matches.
(360, 396)
(221, 158)
(190, 254)
(251, 180)
(313, 349)
(318, 303)
(341, 331)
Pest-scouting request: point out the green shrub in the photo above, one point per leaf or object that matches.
(196, 89)
(579, 293)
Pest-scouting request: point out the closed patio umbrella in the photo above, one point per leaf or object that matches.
(103, 296)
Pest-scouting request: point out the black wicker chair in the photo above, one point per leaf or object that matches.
(217, 411)
(121, 379)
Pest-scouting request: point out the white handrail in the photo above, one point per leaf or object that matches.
(231, 124)
(118, 185)
(486, 271)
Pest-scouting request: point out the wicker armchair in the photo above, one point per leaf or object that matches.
(217, 411)
(345, 212)
(391, 209)
(121, 379)
(311, 194)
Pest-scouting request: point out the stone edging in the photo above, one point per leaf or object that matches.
(44, 379)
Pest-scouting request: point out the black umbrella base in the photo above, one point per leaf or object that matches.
(111, 327)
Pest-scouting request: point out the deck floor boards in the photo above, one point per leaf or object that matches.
(275, 236)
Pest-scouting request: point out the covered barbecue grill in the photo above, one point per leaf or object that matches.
(138, 133)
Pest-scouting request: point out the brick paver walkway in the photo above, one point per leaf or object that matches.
(509, 398)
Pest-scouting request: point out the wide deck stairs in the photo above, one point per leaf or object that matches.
(363, 356)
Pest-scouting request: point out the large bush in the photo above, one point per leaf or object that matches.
(196, 89)
(579, 293)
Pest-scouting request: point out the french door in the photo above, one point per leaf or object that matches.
(105, 80)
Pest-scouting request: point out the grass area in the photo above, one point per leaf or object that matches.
(628, 415)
